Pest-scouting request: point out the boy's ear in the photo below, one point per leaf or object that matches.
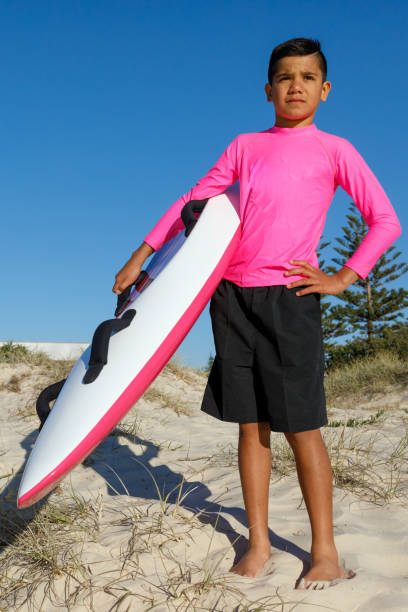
(325, 90)
(268, 92)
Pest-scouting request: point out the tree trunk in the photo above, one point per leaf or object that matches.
(370, 316)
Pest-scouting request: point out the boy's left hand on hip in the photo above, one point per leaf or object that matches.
(319, 281)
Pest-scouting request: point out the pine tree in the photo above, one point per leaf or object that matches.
(210, 361)
(331, 326)
(369, 305)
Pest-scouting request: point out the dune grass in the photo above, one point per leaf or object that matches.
(363, 378)
(165, 400)
(36, 546)
(363, 462)
(44, 553)
(363, 465)
(12, 352)
(47, 371)
(45, 560)
(12, 385)
(182, 371)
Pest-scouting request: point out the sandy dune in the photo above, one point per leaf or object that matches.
(154, 518)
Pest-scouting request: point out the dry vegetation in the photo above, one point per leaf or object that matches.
(364, 378)
(165, 400)
(43, 550)
(37, 548)
(12, 385)
(43, 562)
(183, 372)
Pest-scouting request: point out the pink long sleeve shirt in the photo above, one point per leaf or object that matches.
(288, 177)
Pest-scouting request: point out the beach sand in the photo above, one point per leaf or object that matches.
(154, 517)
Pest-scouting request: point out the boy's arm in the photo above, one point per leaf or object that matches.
(356, 178)
(223, 174)
(132, 268)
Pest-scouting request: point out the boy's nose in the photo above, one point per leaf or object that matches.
(295, 90)
(295, 86)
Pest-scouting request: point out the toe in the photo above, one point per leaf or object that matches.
(322, 584)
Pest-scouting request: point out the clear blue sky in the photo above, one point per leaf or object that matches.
(112, 110)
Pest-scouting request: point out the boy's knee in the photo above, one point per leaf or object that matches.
(294, 438)
(259, 431)
(251, 427)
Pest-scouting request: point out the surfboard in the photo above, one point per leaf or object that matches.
(177, 284)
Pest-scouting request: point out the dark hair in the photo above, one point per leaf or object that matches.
(296, 46)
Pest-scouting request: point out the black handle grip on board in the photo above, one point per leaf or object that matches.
(188, 213)
(123, 298)
(46, 396)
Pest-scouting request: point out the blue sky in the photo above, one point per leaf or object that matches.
(112, 110)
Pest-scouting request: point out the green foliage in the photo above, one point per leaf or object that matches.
(56, 369)
(393, 339)
(13, 353)
(358, 422)
(331, 327)
(360, 379)
(207, 368)
(369, 305)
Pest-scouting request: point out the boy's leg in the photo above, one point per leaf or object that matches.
(315, 479)
(254, 460)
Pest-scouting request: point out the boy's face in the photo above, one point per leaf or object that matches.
(297, 90)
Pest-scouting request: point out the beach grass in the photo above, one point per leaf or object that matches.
(54, 552)
(44, 559)
(165, 400)
(37, 546)
(364, 378)
(182, 371)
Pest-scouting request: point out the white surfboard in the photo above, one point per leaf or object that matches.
(185, 273)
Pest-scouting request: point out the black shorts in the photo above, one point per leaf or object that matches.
(269, 362)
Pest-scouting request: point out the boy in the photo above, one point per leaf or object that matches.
(268, 369)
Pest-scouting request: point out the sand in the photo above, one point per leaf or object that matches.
(154, 518)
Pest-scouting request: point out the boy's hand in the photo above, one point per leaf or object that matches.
(131, 270)
(319, 281)
(127, 275)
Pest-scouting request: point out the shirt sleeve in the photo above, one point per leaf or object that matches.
(223, 174)
(356, 178)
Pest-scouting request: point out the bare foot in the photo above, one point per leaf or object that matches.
(251, 562)
(324, 570)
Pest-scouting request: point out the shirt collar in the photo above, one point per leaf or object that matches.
(286, 131)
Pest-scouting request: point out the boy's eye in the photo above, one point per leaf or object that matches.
(308, 76)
